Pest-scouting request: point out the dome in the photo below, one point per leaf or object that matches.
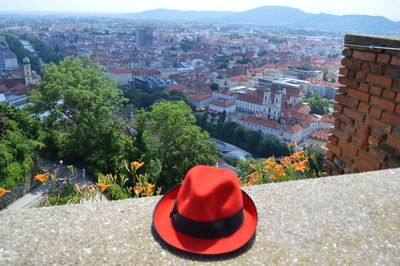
(26, 60)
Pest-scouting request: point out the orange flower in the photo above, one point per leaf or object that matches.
(300, 165)
(3, 191)
(270, 160)
(149, 189)
(281, 172)
(42, 177)
(286, 160)
(297, 155)
(103, 186)
(137, 189)
(136, 165)
(272, 177)
(252, 175)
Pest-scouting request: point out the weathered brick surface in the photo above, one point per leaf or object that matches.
(367, 112)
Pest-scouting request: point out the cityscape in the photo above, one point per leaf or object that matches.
(283, 120)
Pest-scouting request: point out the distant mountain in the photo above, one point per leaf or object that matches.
(281, 16)
(169, 14)
(293, 17)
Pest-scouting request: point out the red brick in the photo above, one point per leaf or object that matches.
(376, 90)
(366, 56)
(387, 105)
(383, 58)
(375, 124)
(375, 112)
(336, 123)
(361, 75)
(391, 118)
(379, 80)
(343, 89)
(359, 95)
(346, 100)
(338, 107)
(389, 94)
(347, 62)
(395, 61)
(330, 155)
(354, 114)
(396, 84)
(360, 145)
(364, 87)
(398, 97)
(377, 134)
(342, 126)
(362, 127)
(342, 135)
(398, 108)
(373, 141)
(333, 139)
(363, 107)
(348, 82)
(367, 158)
(329, 165)
(347, 52)
(344, 71)
(362, 136)
(347, 157)
(347, 147)
(392, 140)
(363, 166)
(373, 68)
(377, 154)
(392, 71)
(351, 130)
(333, 148)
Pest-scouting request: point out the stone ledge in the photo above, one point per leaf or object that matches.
(387, 41)
(350, 219)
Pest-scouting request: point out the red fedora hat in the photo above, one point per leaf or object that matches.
(208, 214)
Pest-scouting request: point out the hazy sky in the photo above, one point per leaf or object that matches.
(386, 8)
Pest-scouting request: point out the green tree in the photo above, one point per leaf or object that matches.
(318, 104)
(214, 86)
(18, 134)
(172, 136)
(81, 100)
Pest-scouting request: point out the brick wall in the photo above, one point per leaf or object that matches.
(367, 110)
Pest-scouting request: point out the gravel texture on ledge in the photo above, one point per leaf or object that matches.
(350, 219)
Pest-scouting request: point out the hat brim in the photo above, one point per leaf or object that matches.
(164, 228)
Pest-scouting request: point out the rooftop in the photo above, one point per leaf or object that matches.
(350, 219)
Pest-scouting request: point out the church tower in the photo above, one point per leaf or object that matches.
(27, 71)
(267, 96)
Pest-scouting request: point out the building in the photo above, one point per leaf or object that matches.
(121, 75)
(152, 83)
(144, 37)
(10, 60)
(27, 71)
(221, 104)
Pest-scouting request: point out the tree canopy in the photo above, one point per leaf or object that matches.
(173, 139)
(81, 100)
(318, 104)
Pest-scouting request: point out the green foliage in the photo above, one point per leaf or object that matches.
(255, 142)
(16, 46)
(214, 86)
(46, 54)
(174, 141)
(17, 143)
(138, 98)
(319, 105)
(115, 192)
(81, 100)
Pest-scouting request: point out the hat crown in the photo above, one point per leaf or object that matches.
(209, 194)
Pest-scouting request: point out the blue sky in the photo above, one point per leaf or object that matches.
(386, 8)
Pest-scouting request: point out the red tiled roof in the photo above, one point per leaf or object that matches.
(263, 122)
(120, 70)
